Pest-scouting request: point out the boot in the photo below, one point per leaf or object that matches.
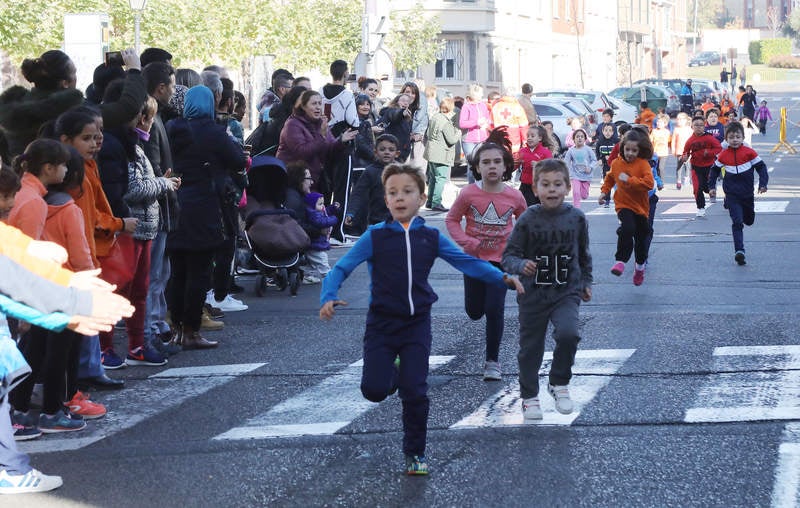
(193, 340)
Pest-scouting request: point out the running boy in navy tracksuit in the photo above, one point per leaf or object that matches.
(740, 163)
(400, 253)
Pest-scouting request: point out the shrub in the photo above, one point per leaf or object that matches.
(763, 50)
(785, 62)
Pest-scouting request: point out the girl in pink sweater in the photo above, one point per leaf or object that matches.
(488, 206)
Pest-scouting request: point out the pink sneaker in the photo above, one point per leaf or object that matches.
(618, 268)
(638, 277)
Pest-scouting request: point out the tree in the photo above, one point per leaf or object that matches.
(710, 14)
(792, 26)
(774, 22)
(413, 39)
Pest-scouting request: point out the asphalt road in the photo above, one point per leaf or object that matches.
(687, 391)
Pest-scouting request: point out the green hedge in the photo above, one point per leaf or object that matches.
(764, 50)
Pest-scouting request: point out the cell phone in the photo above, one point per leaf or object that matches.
(114, 58)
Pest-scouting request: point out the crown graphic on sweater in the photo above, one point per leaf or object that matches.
(490, 217)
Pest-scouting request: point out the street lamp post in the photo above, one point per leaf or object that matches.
(137, 6)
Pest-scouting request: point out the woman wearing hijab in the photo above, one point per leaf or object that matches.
(203, 154)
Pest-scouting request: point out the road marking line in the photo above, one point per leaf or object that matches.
(688, 208)
(754, 383)
(786, 489)
(161, 393)
(602, 210)
(770, 169)
(771, 206)
(504, 407)
(321, 410)
(209, 370)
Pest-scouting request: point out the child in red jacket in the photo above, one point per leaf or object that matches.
(702, 148)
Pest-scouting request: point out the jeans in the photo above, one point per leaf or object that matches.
(468, 147)
(155, 322)
(89, 363)
(742, 212)
(12, 460)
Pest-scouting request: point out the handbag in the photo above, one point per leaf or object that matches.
(117, 268)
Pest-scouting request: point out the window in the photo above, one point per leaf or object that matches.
(494, 63)
(450, 61)
(543, 110)
(473, 60)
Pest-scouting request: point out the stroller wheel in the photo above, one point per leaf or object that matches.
(281, 279)
(294, 282)
(261, 285)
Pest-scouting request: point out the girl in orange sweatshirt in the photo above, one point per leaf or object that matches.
(633, 177)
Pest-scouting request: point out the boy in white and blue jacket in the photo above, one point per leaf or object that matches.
(400, 253)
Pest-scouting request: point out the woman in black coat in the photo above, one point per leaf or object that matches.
(203, 154)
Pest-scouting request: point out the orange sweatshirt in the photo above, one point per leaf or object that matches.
(14, 245)
(632, 194)
(65, 226)
(30, 210)
(99, 221)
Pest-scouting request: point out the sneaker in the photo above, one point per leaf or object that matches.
(32, 481)
(82, 406)
(24, 426)
(712, 199)
(311, 279)
(62, 421)
(701, 212)
(638, 276)
(416, 465)
(229, 304)
(145, 356)
(561, 395)
(678, 185)
(491, 371)
(739, 257)
(607, 204)
(618, 268)
(165, 348)
(206, 323)
(531, 409)
(212, 311)
(111, 360)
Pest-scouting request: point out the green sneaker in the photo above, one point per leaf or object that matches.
(416, 465)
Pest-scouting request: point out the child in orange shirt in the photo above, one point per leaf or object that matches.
(633, 177)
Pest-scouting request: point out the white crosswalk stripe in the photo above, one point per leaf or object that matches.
(592, 368)
(320, 410)
(786, 489)
(753, 383)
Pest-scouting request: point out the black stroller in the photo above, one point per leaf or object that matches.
(273, 235)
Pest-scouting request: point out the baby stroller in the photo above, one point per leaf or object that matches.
(273, 235)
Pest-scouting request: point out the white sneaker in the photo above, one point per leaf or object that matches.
(531, 409)
(229, 304)
(560, 393)
(32, 481)
(491, 371)
(310, 279)
(701, 212)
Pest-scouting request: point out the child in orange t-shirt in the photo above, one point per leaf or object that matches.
(632, 175)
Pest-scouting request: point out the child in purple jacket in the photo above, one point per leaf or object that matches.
(318, 216)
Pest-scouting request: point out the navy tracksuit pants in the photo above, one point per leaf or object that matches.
(385, 338)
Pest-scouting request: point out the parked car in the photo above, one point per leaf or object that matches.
(673, 84)
(708, 58)
(623, 112)
(558, 111)
(597, 100)
(703, 88)
(656, 96)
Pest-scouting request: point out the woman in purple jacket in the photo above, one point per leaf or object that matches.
(305, 137)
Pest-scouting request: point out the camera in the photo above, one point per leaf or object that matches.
(114, 58)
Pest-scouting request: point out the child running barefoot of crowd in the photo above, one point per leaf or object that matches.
(549, 247)
(488, 206)
(400, 254)
(633, 176)
(739, 163)
(538, 147)
(581, 160)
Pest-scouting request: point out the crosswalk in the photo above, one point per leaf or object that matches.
(745, 383)
(689, 208)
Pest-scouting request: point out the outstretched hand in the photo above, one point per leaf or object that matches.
(515, 283)
(328, 309)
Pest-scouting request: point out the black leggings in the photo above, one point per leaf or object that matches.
(53, 358)
(191, 271)
(632, 236)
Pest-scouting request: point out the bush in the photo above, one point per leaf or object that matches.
(785, 62)
(763, 50)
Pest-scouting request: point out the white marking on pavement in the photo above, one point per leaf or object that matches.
(210, 370)
(770, 169)
(321, 410)
(688, 208)
(161, 393)
(778, 159)
(786, 489)
(592, 369)
(602, 210)
(755, 383)
(771, 206)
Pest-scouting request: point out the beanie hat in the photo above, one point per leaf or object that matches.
(312, 198)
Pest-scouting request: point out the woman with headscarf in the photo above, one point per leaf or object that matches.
(305, 137)
(203, 154)
(53, 74)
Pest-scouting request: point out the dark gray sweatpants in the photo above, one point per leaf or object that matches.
(533, 320)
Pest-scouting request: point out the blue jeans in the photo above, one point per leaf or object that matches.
(156, 301)
(467, 148)
(89, 363)
(742, 212)
(12, 460)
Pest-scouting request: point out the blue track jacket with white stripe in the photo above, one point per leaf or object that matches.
(740, 165)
